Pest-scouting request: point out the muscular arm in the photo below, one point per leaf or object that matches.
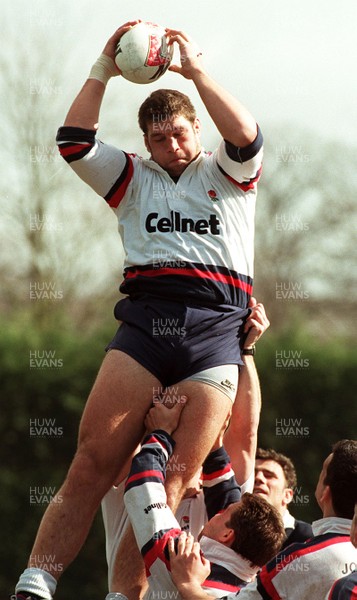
(240, 440)
(232, 119)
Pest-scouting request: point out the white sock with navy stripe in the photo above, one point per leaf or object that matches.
(38, 582)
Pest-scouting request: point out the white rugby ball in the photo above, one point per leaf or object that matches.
(142, 53)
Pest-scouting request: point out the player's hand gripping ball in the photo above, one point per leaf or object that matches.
(142, 53)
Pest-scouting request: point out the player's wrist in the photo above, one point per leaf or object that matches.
(103, 69)
(249, 350)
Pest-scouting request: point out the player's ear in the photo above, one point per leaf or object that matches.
(146, 142)
(227, 536)
(197, 126)
(288, 495)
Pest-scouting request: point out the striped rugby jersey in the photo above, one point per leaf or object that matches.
(307, 570)
(193, 238)
(191, 513)
(153, 521)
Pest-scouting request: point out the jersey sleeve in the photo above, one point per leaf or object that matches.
(145, 498)
(242, 166)
(218, 481)
(106, 169)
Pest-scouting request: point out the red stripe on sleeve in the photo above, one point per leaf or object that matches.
(215, 474)
(74, 149)
(144, 474)
(120, 192)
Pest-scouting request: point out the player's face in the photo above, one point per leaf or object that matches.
(218, 526)
(270, 483)
(173, 144)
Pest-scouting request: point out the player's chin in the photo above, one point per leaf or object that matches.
(177, 167)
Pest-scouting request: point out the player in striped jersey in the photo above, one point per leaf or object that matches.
(346, 587)
(240, 535)
(305, 571)
(186, 219)
(240, 441)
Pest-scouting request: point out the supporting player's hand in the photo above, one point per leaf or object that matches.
(190, 54)
(256, 324)
(189, 568)
(162, 417)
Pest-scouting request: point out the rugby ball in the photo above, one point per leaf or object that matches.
(142, 53)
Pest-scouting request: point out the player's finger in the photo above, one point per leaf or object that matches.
(181, 544)
(171, 546)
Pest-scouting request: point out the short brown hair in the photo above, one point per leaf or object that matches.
(162, 105)
(259, 529)
(341, 477)
(285, 463)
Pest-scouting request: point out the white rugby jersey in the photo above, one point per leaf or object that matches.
(306, 570)
(195, 236)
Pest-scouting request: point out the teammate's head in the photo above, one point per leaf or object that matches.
(162, 105)
(275, 478)
(251, 527)
(336, 490)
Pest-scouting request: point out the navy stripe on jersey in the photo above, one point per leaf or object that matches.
(222, 579)
(219, 485)
(150, 463)
(211, 283)
(291, 553)
(244, 154)
(117, 191)
(344, 588)
(245, 186)
(82, 140)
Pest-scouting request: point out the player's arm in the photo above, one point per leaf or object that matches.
(240, 439)
(232, 119)
(145, 497)
(85, 109)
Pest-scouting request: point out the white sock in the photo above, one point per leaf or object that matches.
(36, 581)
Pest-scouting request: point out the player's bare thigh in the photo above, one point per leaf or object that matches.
(113, 419)
(200, 423)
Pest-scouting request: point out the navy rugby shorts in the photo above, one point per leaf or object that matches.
(175, 340)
